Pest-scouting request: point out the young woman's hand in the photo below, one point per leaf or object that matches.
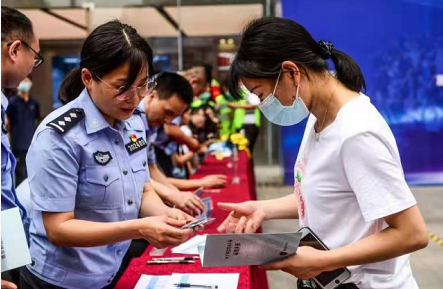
(163, 231)
(245, 217)
(187, 202)
(305, 264)
(213, 181)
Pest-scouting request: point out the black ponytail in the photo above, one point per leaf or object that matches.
(71, 86)
(109, 46)
(348, 71)
(269, 41)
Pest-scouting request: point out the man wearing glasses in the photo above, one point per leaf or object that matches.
(20, 54)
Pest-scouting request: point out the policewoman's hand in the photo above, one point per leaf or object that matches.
(245, 217)
(213, 181)
(177, 214)
(187, 202)
(180, 215)
(8, 285)
(305, 264)
(163, 231)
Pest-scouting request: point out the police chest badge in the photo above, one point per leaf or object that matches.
(135, 144)
(102, 158)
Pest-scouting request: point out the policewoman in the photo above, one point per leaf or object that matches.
(349, 184)
(88, 171)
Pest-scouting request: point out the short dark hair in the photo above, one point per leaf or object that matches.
(109, 46)
(16, 25)
(170, 84)
(269, 41)
(207, 67)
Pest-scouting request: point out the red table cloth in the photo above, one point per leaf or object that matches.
(251, 277)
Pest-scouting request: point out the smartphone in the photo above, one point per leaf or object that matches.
(326, 280)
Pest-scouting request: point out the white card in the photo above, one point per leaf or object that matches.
(15, 251)
(219, 281)
(153, 282)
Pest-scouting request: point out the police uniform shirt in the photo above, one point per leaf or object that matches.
(78, 163)
(164, 142)
(151, 133)
(9, 196)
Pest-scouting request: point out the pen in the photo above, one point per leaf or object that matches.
(187, 285)
(170, 262)
(176, 259)
(214, 191)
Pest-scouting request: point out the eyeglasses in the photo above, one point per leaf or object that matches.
(38, 59)
(123, 93)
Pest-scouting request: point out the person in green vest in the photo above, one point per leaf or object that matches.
(247, 117)
(224, 112)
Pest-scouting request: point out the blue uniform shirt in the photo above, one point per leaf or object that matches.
(93, 170)
(151, 134)
(9, 197)
(164, 141)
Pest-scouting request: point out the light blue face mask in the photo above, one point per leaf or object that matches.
(276, 113)
(24, 86)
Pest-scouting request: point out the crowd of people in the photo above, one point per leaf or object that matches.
(109, 171)
(182, 114)
(210, 114)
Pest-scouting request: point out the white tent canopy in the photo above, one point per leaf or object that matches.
(206, 20)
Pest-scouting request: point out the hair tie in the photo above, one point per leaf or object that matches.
(326, 49)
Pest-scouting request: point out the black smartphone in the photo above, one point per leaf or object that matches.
(326, 280)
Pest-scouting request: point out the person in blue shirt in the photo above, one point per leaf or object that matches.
(20, 47)
(23, 114)
(172, 95)
(87, 170)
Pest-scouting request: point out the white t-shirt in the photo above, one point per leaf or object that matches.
(347, 181)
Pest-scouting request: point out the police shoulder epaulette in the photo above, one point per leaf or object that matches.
(68, 120)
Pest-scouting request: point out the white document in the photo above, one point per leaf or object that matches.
(153, 282)
(15, 251)
(247, 249)
(191, 246)
(217, 281)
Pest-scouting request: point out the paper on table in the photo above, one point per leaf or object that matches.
(153, 282)
(190, 246)
(222, 281)
(15, 251)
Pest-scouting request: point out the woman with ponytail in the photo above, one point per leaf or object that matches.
(349, 183)
(88, 172)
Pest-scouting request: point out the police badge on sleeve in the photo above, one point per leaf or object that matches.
(102, 158)
(136, 144)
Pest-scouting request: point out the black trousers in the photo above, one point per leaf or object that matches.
(12, 276)
(30, 281)
(20, 170)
